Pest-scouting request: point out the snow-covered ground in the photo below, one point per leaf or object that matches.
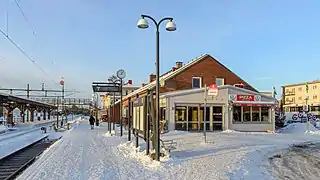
(94, 154)
(3, 129)
(298, 162)
(299, 128)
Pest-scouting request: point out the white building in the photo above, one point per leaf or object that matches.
(233, 108)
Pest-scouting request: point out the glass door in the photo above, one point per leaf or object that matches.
(217, 118)
(205, 119)
(193, 118)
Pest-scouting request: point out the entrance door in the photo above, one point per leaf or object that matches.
(205, 118)
(217, 118)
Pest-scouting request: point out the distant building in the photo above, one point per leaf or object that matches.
(267, 93)
(295, 96)
(126, 89)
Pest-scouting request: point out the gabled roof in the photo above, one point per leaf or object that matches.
(170, 74)
(166, 76)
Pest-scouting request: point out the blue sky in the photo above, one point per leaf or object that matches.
(267, 43)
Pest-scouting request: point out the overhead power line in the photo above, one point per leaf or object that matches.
(27, 56)
(24, 16)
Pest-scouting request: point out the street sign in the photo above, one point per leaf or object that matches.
(213, 90)
(309, 115)
(105, 87)
(295, 117)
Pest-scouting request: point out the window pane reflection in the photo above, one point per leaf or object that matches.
(246, 113)
(255, 113)
(181, 113)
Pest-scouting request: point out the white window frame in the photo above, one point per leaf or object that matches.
(200, 81)
(219, 79)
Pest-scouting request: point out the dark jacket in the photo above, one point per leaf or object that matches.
(91, 120)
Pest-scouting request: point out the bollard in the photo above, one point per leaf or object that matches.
(137, 139)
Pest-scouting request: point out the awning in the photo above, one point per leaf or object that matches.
(253, 103)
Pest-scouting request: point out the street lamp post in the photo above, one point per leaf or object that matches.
(143, 24)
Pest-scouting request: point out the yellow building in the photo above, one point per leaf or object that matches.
(108, 98)
(295, 96)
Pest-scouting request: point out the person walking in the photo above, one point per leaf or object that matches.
(91, 121)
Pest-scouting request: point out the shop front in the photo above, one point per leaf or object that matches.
(233, 108)
(252, 112)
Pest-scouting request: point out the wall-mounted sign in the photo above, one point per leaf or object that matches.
(244, 97)
(213, 90)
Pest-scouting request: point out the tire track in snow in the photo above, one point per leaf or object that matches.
(297, 163)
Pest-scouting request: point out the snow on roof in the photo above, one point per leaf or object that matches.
(165, 77)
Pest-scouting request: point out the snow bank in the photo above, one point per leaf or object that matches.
(130, 151)
(110, 134)
(233, 131)
(229, 131)
(299, 128)
(176, 133)
(3, 129)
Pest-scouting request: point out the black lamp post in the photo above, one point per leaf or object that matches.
(143, 24)
(113, 79)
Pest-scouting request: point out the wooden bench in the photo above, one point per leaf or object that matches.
(168, 145)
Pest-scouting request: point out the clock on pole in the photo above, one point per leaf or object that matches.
(121, 74)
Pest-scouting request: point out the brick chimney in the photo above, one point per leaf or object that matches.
(178, 65)
(152, 77)
(130, 82)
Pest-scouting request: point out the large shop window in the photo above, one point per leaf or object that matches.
(196, 82)
(217, 113)
(181, 118)
(181, 114)
(246, 113)
(250, 114)
(255, 113)
(207, 120)
(193, 118)
(237, 113)
(264, 113)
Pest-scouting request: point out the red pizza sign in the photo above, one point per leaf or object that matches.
(241, 97)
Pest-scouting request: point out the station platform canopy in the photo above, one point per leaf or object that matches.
(7, 99)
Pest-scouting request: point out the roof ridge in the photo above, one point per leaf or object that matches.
(163, 77)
